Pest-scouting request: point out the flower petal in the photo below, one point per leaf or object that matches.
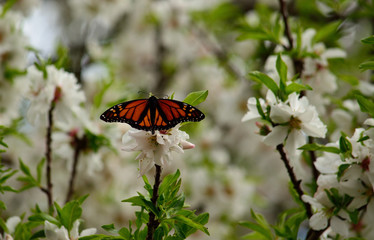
(276, 136)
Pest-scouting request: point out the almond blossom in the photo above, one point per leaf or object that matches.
(52, 231)
(155, 148)
(293, 121)
(58, 86)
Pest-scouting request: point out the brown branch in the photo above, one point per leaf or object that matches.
(48, 156)
(284, 13)
(152, 223)
(295, 182)
(79, 145)
(313, 159)
(314, 235)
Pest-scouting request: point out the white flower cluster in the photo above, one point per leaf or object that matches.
(352, 177)
(155, 148)
(316, 72)
(59, 87)
(292, 121)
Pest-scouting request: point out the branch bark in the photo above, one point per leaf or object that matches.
(79, 145)
(153, 223)
(48, 155)
(296, 183)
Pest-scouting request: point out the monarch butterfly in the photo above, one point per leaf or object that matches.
(152, 114)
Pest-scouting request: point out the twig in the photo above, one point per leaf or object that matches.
(48, 156)
(314, 235)
(313, 159)
(296, 183)
(153, 224)
(283, 10)
(79, 145)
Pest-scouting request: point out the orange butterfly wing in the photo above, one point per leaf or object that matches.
(152, 114)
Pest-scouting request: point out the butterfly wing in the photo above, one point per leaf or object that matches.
(135, 113)
(173, 112)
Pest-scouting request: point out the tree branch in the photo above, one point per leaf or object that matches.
(48, 156)
(296, 183)
(313, 159)
(79, 145)
(284, 13)
(152, 223)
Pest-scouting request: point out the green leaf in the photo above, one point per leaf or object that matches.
(3, 225)
(96, 141)
(2, 207)
(147, 185)
(38, 235)
(41, 217)
(296, 87)
(105, 86)
(341, 170)
(260, 225)
(69, 214)
(124, 232)
(192, 223)
(318, 147)
(24, 168)
(63, 56)
(351, 79)
(3, 143)
(102, 237)
(266, 80)
(345, 145)
(168, 181)
(39, 170)
(8, 5)
(28, 179)
(109, 228)
(255, 33)
(326, 31)
(368, 40)
(6, 175)
(254, 236)
(366, 105)
(196, 98)
(263, 232)
(369, 65)
(22, 232)
(82, 199)
(135, 201)
(282, 72)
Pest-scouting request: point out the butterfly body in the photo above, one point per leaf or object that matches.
(152, 114)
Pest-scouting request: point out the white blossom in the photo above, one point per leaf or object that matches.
(295, 119)
(316, 71)
(155, 148)
(53, 232)
(11, 223)
(60, 87)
